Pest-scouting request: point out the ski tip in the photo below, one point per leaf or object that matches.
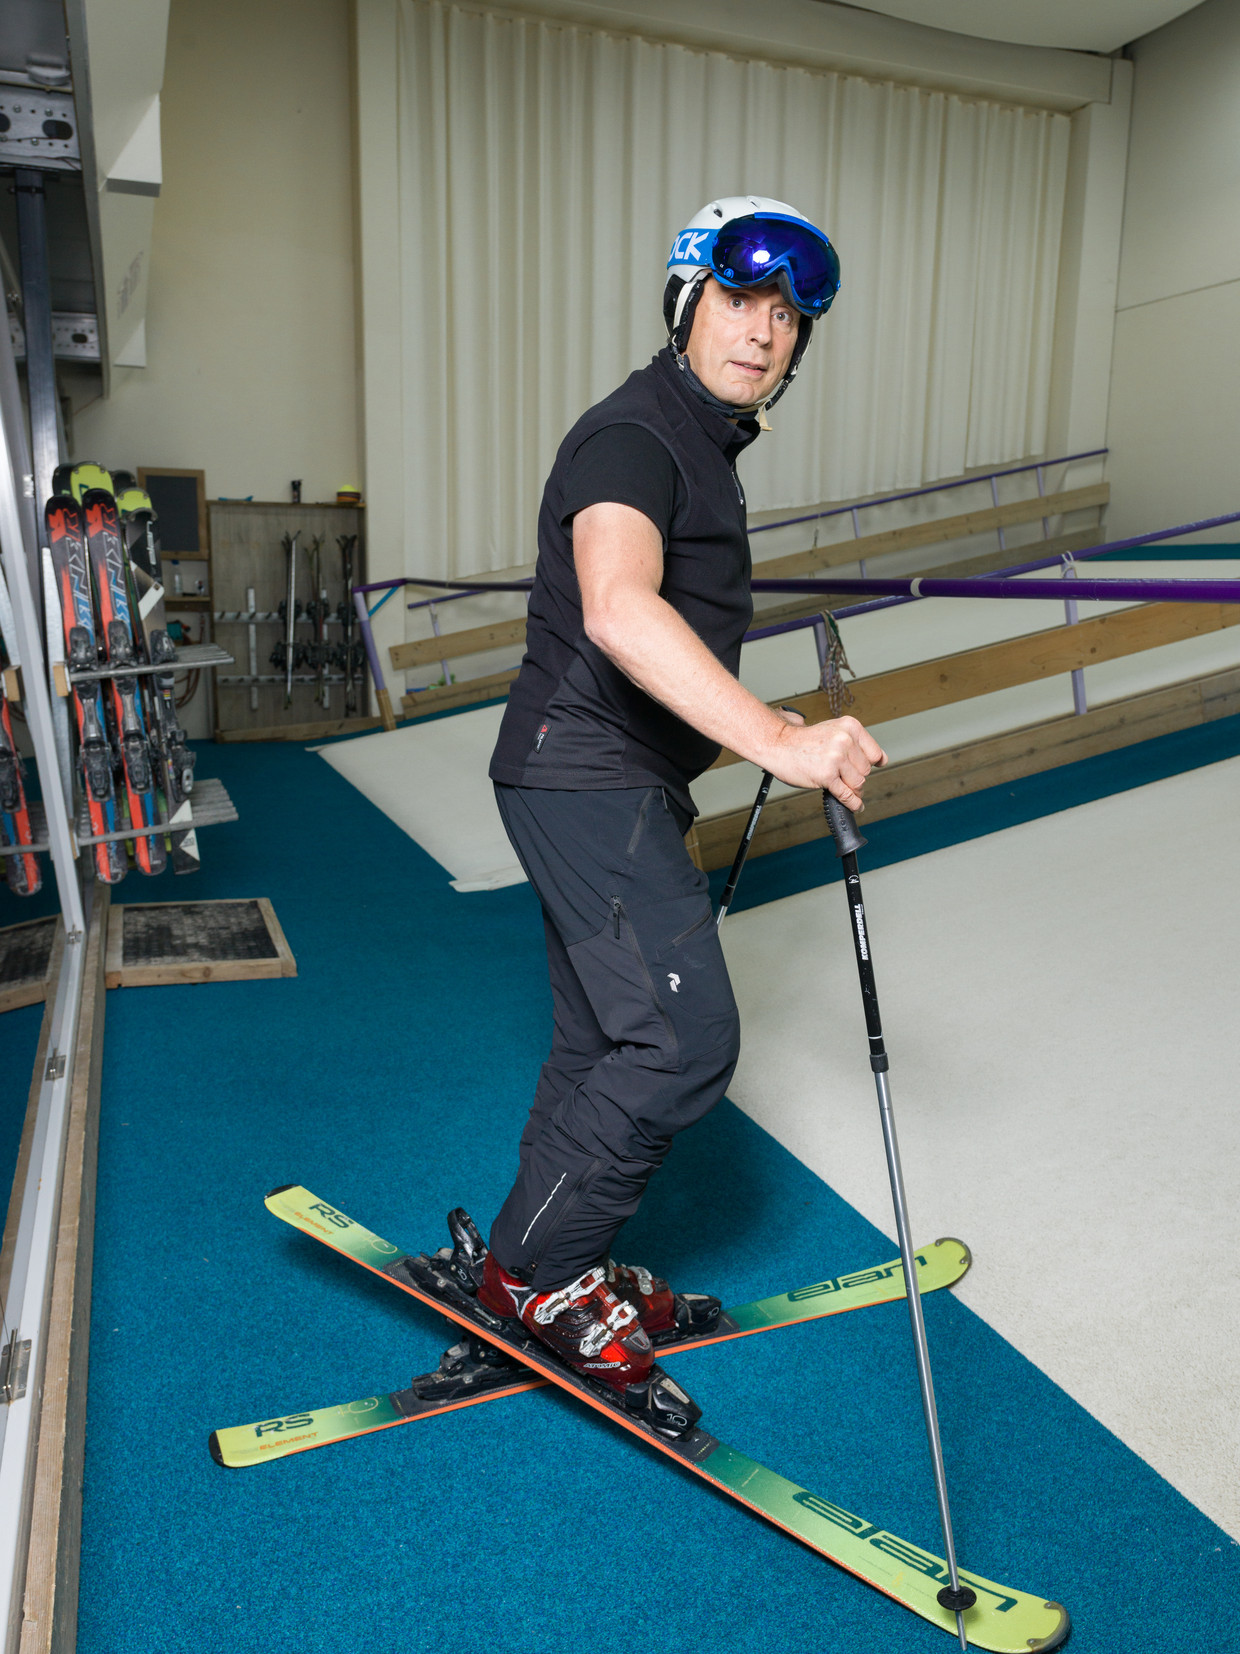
(966, 1256)
(213, 1447)
(280, 1189)
(1058, 1636)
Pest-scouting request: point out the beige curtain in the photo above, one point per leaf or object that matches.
(543, 171)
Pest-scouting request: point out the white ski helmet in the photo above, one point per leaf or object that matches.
(751, 241)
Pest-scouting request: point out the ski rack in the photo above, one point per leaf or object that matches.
(249, 616)
(209, 801)
(231, 680)
(190, 658)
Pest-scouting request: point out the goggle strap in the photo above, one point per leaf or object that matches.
(685, 294)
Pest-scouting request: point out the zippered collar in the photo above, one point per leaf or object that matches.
(733, 439)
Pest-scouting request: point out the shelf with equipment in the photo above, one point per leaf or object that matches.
(263, 553)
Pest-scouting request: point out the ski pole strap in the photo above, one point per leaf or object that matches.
(843, 825)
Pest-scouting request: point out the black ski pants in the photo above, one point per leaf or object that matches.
(646, 1028)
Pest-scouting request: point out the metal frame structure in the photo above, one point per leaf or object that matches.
(25, 1313)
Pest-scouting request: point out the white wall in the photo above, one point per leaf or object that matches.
(251, 369)
(1175, 386)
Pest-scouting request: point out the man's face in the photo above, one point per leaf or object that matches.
(741, 341)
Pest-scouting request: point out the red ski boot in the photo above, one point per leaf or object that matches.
(584, 1323)
(595, 1333)
(664, 1315)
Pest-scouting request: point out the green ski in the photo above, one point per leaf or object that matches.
(432, 1394)
(1003, 1619)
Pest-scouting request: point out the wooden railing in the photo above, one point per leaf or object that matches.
(912, 783)
(1017, 660)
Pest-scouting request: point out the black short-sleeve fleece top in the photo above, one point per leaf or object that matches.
(573, 719)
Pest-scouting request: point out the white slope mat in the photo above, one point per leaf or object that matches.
(431, 779)
(1060, 1007)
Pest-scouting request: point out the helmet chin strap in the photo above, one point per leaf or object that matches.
(678, 339)
(730, 410)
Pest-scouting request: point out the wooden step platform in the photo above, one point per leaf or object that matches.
(150, 943)
(25, 960)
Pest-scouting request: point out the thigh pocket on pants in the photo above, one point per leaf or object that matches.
(617, 981)
(688, 968)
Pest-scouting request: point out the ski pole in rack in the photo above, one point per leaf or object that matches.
(346, 615)
(316, 613)
(289, 612)
(954, 1597)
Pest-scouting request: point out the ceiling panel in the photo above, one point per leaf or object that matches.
(1075, 25)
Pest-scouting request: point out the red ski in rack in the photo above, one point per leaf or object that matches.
(174, 759)
(21, 870)
(67, 542)
(107, 561)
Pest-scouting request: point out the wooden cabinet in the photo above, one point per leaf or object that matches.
(249, 581)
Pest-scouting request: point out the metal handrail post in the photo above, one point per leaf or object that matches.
(430, 609)
(372, 656)
(1079, 702)
(994, 495)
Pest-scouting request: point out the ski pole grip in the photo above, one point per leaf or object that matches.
(843, 825)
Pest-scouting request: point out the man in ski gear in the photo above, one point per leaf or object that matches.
(626, 694)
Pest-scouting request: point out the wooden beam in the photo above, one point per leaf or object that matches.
(14, 1207)
(50, 1597)
(1025, 659)
(501, 635)
(418, 704)
(910, 785)
(930, 533)
(317, 731)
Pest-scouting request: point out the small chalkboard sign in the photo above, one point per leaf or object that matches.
(180, 501)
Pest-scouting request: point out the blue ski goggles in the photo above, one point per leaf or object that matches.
(766, 247)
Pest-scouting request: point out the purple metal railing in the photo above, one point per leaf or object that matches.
(1187, 591)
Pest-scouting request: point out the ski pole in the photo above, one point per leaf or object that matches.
(742, 849)
(954, 1596)
(290, 616)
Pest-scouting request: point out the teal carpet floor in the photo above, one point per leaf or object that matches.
(392, 1077)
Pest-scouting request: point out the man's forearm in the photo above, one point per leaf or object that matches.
(661, 653)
